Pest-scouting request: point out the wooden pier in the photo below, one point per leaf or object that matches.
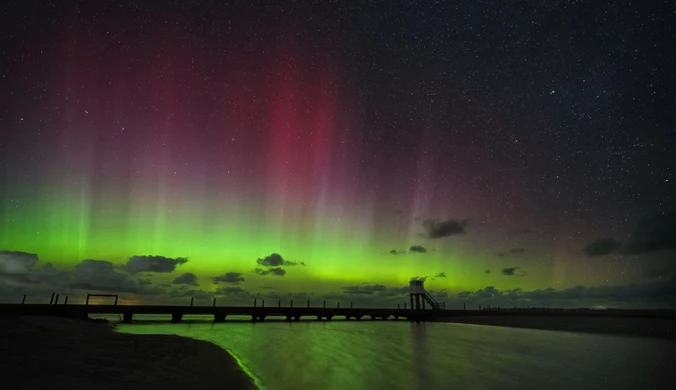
(220, 313)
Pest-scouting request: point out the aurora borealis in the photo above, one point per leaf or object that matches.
(351, 147)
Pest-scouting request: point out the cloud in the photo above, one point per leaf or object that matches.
(365, 289)
(229, 277)
(653, 234)
(234, 290)
(512, 271)
(187, 278)
(512, 251)
(276, 260)
(421, 278)
(89, 266)
(277, 271)
(137, 264)
(101, 275)
(487, 271)
(439, 229)
(440, 275)
(372, 291)
(17, 263)
(633, 295)
(185, 292)
(602, 246)
(396, 252)
(418, 249)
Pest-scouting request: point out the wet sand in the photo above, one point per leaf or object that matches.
(60, 353)
(639, 327)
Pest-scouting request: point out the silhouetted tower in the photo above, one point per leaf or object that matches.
(419, 296)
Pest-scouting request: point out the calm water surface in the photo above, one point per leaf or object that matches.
(403, 355)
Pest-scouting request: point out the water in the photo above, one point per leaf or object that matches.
(403, 355)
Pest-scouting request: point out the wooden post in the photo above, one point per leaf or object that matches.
(115, 300)
(292, 303)
(65, 302)
(279, 303)
(56, 301)
(192, 300)
(404, 305)
(263, 303)
(214, 305)
(338, 306)
(308, 303)
(24, 299)
(464, 306)
(397, 306)
(254, 302)
(324, 305)
(51, 300)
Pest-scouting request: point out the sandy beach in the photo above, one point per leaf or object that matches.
(60, 353)
(639, 327)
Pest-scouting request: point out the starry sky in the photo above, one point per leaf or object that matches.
(514, 153)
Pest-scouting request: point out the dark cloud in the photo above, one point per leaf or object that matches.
(137, 264)
(276, 260)
(90, 266)
(418, 249)
(653, 234)
(17, 263)
(396, 252)
(440, 275)
(421, 278)
(229, 277)
(633, 295)
(276, 271)
(512, 271)
(49, 274)
(487, 271)
(602, 246)
(365, 289)
(487, 292)
(101, 275)
(187, 278)
(186, 292)
(234, 290)
(373, 291)
(439, 229)
(512, 251)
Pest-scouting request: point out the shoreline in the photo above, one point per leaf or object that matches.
(61, 353)
(661, 328)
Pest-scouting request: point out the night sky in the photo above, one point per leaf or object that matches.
(514, 153)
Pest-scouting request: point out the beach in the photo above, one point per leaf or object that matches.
(40, 352)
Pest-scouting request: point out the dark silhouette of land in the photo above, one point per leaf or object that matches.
(40, 352)
(642, 323)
